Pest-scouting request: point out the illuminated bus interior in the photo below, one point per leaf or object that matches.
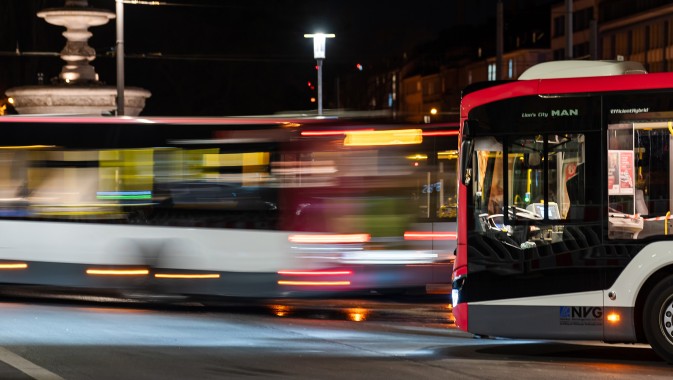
(522, 207)
(639, 180)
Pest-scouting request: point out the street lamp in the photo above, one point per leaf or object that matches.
(319, 44)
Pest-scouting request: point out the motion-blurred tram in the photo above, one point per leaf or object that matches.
(241, 207)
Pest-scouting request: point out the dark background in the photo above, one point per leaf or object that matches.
(208, 57)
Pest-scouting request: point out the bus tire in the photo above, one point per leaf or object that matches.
(658, 318)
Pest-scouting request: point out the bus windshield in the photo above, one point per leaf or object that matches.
(533, 179)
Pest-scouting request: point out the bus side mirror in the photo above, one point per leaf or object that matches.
(466, 152)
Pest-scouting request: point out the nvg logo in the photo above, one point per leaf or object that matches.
(581, 315)
(587, 312)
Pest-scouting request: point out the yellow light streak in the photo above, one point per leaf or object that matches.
(13, 266)
(389, 137)
(448, 155)
(118, 272)
(28, 147)
(417, 157)
(236, 159)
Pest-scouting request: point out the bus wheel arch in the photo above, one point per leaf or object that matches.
(658, 318)
(639, 313)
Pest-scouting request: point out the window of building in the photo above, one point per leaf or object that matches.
(559, 26)
(491, 72)
(629, 42)
(638, 40)
(581, 50)
(621, 44)
(430, 88)
(559, 54)
(655, 67)
(656, 36)
(582, 19)
(609, 47)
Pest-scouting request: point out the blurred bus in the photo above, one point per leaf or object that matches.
(390, 199)
(566, 197)
(244, 207)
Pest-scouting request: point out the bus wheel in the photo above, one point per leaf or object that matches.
(658, 319)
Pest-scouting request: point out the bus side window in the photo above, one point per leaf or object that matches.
(576, 201)
(575, 188)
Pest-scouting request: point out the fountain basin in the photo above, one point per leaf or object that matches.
(76, 99)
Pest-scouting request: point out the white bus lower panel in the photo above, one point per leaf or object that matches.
(553, 322)
(143, 279)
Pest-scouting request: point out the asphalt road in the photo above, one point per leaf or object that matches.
(95, 338)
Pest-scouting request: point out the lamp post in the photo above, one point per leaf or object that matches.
(120, 57)
(319, 42)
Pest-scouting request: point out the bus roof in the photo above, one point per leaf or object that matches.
(576, 69)
(581, 84)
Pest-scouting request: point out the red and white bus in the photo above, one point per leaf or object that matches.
(565, 203)
(245, 207)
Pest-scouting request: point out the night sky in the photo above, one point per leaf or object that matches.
(237, 57)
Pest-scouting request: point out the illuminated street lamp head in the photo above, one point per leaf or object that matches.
(319, 43)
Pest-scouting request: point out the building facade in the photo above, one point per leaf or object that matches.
(636, 30)
(584, 30)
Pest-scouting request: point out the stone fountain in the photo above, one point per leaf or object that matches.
(77, 89)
